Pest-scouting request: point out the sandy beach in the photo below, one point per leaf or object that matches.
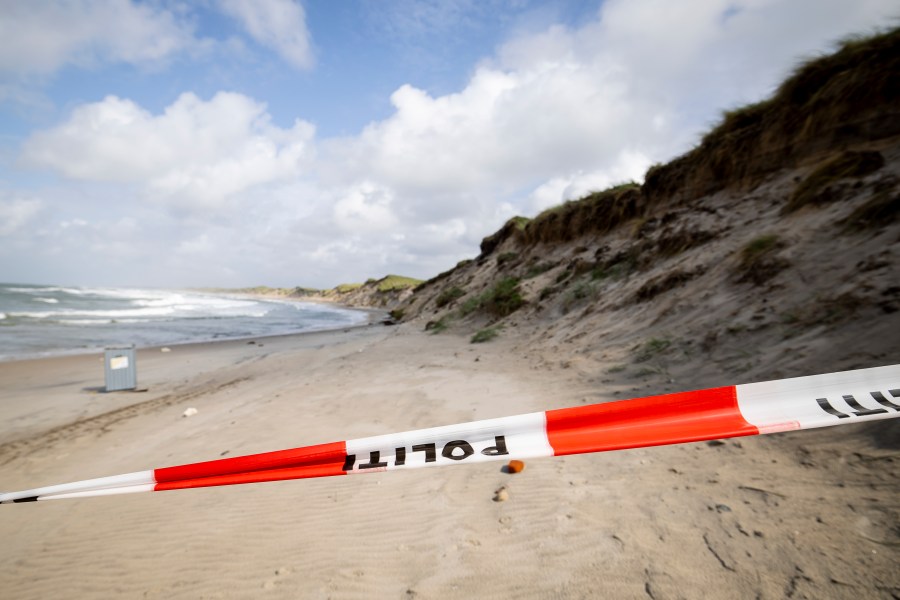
(805, 515)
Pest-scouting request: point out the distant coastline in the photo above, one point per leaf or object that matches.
(40, 321)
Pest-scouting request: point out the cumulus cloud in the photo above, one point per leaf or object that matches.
(365, 208)
(196, 153)
(41, 37)
(550, 117)
(277, 24)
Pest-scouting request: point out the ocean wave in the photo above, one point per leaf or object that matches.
(109, 314)
(86, 321)
(47, 300)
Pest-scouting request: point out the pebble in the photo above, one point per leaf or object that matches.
(165, 349)
(190, 412)
(515, 466)
(501, 495)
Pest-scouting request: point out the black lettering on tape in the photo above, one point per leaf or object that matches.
(428, 449)
(374, 461)
(861, 411)
(827, 407)
(499, 447)
(399, 457)
(349, 461)
(463, 445)
(880, 399)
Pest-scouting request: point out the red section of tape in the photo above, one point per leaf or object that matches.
(305, 472)
(319, 461)
(651, 421)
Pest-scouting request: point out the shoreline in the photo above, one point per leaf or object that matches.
(83, 373)
(373, 316)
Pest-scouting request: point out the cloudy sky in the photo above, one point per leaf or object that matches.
(244, 142)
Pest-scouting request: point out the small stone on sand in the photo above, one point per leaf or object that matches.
(165, 349)
(515, 466)
(501, 495)
(190, 412)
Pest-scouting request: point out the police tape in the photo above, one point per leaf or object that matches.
(724, 412)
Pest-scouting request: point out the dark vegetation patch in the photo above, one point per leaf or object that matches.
(397, 314)
(448, 296)
(502, 300)
(507, 257)
(879, 210)
(816, 190)
(664, 283)
(759, 261)
(485, 335)
(584, 290)
(438, 326)
(596, 213)
(512, 227)
(652, 348)
(620, 265)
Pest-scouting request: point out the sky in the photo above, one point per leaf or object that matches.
(230, 143)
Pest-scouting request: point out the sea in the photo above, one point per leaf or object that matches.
(47, 320)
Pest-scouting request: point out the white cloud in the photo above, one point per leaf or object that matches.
(196, 153)
(365, 208)
(277, 24)
(550, 117)
(16, 212)
(41, 37)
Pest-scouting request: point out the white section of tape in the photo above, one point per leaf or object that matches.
(130, 489)
(820, 400)
(114, 481)
(521, 436)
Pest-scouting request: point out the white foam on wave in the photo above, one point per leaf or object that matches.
(109, 314)
(47, 300)
(86, 321)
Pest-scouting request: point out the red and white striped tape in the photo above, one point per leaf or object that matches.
(733, 411)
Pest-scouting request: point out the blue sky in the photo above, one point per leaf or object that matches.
(238, 142)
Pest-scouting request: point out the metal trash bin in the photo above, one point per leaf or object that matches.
(121, 368)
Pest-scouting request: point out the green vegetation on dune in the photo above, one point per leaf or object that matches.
(598, 212)
(485, 335)
(343, 288)
(396, 282)
(448, 296)
(759, 261)
(501, 300)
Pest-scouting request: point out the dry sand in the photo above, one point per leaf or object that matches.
(802, 515)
